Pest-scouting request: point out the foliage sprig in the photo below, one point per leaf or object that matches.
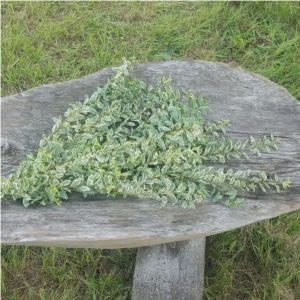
(134, 139)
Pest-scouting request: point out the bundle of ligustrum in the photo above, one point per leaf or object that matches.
(133, 139)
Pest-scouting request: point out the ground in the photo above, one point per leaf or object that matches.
(54, 41)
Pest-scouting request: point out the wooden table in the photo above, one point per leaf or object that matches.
(171, 241)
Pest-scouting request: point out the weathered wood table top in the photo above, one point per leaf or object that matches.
(255, 106)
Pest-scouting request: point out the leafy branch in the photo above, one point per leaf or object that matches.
(134, 139)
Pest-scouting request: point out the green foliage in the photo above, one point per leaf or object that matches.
(134, 139)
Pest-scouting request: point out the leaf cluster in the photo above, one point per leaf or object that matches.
(139, 140)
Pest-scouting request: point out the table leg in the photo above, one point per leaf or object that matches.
(170, 271)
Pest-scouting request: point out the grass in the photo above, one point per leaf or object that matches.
(55, 41)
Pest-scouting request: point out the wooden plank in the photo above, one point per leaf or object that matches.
(255, 106)
(124, 223)
(173, 271)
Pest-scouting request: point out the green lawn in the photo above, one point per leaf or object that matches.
(54, 41)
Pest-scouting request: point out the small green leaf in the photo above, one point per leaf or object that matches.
(76, 183)
(63, 194)
(189, 136)
(83, 189)
(163, 128)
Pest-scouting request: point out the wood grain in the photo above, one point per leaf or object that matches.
(254, 105)
(173, 271)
